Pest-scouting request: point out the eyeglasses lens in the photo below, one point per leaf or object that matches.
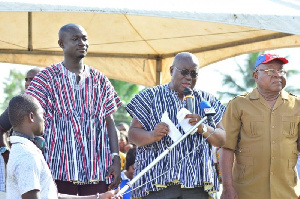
(187, 72)
(274, 72)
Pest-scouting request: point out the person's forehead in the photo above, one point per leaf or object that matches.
(75, 31)
(186, 63)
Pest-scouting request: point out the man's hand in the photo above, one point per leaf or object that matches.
(160, 130)
(115, 171)
(110, 194)
(229, 193)
(194, 118)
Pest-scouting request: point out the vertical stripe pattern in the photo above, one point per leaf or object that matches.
(75, 127)
(196, 170)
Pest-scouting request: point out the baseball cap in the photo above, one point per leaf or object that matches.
(265, 58)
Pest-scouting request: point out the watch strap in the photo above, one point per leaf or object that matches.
(114, 154)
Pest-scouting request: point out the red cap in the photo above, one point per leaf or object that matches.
(265, 58)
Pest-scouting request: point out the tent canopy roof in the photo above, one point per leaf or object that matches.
(137, 42)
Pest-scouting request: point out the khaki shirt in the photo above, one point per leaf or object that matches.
(265, 144)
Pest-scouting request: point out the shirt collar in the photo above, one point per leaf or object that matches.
(22, 140)
(123, 175)
(66, 71)
(255, 94)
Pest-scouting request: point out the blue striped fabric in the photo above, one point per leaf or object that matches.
(75, 126)
(196, 170)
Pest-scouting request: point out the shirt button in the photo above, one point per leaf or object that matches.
(273, 142)
(273, 127)
(271, 173)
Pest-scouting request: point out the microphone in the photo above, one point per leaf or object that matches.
(188, 96)
(208, 110)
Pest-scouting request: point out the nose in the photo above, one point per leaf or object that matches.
(82, 42)
(188, 76)
(27, 84)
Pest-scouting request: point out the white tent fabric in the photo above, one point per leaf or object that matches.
(136, 41)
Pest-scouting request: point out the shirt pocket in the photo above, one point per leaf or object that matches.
(243, 170)
(254, 126)
(290, 126)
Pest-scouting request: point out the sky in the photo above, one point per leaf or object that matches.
(210, 77)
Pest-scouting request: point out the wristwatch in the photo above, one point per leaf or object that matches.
(114, 154)
(204, 129)
(3, 149)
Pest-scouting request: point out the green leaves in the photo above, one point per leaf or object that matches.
(126, 91)
(13, 85)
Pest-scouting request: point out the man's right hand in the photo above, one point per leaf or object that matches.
(229, 193)
(160, 130)
(111, 194)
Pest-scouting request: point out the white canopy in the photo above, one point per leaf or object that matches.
(135, 41)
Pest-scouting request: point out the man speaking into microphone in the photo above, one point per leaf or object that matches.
(175, 176)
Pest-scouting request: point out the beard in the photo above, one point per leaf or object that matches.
(81, 56)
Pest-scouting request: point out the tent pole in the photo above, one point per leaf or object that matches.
(30, 48)
(158, 70)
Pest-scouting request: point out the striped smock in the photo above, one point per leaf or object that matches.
(195, 170)
(75, 127)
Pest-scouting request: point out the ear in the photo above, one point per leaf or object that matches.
(60, 43)
(171, 70)
(255, 74)
(31, 117)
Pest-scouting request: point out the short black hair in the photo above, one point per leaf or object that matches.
(67, 28)
(19, 107)
(130, 157)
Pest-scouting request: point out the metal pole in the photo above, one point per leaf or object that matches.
(163, 154)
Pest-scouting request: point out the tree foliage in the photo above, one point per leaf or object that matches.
(13, 85)
(248, 82)
(126, 92)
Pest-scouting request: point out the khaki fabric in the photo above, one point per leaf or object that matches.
(265, 144)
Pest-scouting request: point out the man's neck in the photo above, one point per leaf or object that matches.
(23, 133)
(268, 96)
(76, 67)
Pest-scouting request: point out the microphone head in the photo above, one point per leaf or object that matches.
(187, 91)
(206, 107)
(204, 104)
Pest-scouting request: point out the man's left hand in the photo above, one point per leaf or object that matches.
(115, 171)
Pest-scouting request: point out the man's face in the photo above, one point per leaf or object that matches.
(180, 81)
(267, 83)
(75, 42)
(29, 77)
(38, 121)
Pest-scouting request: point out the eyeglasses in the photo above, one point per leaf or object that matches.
(272, 72)
(186, 72)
